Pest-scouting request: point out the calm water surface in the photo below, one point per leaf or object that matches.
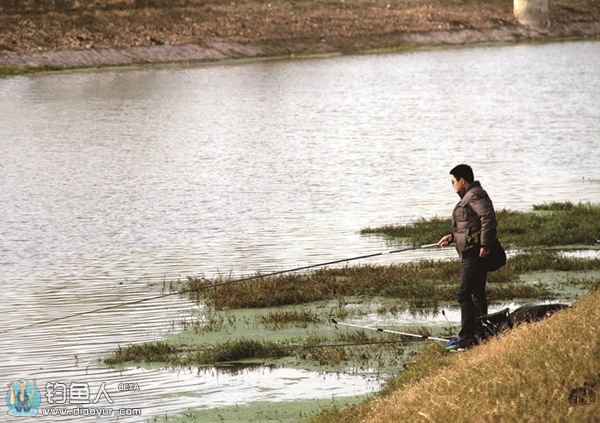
(115, 181)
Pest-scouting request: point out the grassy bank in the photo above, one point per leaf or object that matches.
(548, 371)
(554, 224)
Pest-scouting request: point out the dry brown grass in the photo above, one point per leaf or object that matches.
(524, 376)
(47, 25)
(543, 372)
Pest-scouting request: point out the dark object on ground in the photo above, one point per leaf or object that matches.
(492, 324)
(584, 394)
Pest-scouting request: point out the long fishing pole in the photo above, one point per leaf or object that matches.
(312, 266)
(216, 285)
(395, 332)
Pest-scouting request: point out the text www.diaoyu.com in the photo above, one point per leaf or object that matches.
(91, 411)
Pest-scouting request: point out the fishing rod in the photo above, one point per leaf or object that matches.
(312, 266)
(414, 335)
(216, 285)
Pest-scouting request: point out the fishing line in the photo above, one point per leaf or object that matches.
(215, 285)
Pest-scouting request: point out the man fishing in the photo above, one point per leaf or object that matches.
(473, 233)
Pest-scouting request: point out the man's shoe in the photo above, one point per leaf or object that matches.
(460, 343)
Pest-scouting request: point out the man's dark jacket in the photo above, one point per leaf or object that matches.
(474, 220)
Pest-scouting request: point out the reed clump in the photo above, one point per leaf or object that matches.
(544, 371)
(150, 352)
(298, 318)
(235, 350)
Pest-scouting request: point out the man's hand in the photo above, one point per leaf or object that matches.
(483, 252)
(445, 241)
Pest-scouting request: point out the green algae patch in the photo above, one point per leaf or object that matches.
(244, 339)
(263, 411)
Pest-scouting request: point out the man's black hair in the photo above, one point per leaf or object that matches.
(463, 171)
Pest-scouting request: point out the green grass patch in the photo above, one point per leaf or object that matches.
(8, 70)
(241, 349)
(544, 260)
(554, 224)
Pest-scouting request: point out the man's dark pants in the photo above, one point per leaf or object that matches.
(471, 293)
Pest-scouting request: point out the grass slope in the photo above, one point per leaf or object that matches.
(547, 371)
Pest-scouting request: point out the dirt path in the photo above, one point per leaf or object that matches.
(127, 32)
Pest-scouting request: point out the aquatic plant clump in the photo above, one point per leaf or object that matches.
(298, 318)
(150, 352)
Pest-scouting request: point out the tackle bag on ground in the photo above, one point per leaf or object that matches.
(492, 324)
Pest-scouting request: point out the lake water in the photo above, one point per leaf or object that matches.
(115, 182)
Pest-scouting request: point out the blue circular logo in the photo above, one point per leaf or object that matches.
(22, 398)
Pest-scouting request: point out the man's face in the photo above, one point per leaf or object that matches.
(457, 184)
